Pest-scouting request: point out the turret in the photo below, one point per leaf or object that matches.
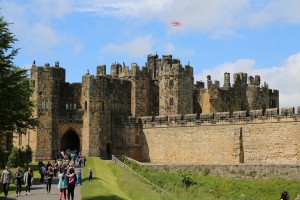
(226, 85)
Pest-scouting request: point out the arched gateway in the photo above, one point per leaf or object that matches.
(70, 140)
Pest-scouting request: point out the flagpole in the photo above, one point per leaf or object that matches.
(169, 39)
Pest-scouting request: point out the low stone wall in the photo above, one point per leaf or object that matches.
(236, 171)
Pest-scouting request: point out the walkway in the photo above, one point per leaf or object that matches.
(38, 191)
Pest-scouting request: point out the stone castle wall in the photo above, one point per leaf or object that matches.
(258, 142)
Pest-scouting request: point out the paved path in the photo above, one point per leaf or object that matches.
(38, 191)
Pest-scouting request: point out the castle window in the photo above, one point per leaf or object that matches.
(67, 106)
(33, 83)
(171, 101)
(46, 105)
(171, 83)
(137, 139)
(74, 106)
(272, 103)
(85, 105)
(102, 106)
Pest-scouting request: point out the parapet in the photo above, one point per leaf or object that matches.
(274, 92)
(256, 113)
(272, 112)
(199, 85)
(240, 78)
(288, 111)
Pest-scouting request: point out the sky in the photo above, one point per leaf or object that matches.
(257, 37)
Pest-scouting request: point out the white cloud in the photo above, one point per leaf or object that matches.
(217, 17)
(51, 8)
(140, 46)
(284, 78)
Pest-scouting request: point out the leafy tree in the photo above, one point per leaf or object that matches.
(14, 158)
(2, 158)
(16, 107)
(28, 155)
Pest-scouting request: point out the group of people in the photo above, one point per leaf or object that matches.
(67, 178)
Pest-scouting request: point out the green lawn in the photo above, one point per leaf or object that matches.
(112, 182)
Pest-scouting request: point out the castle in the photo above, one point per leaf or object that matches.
(150, 113)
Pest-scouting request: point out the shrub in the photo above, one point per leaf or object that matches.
(186, 178)
(28, 155)
(13, 158)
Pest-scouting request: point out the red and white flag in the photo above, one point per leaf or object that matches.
(175, 23)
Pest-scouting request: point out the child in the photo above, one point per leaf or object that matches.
(90, 175)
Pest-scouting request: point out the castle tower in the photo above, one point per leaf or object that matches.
(175, 87)
(240, 96)
(46, 82)
(255, 94)
(140, 89)
(226, 85)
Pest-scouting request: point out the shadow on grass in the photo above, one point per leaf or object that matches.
(111, 197)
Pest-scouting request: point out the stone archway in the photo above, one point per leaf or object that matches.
(71, 141)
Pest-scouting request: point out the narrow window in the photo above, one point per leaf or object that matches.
(46, 105)
(74, 106)
(171, 83)
(85, 105)
(67, 106)
(171, 101)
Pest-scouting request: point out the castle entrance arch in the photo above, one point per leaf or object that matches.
(70, 140)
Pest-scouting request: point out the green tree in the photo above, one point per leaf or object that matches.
(28, 155)
(16, 107)
(14, 158)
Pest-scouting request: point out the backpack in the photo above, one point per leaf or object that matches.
(73, 179)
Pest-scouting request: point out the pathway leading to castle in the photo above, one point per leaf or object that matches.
(38, 192)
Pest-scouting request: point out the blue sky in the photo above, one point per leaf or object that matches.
(259, 37)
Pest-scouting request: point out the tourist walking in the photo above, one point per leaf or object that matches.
(42, 171)
(79, 177)
(6, 178)
(71, 183)
(28, 179)
(63, 184)
(90, 174)
(18, 181)
(48, 179)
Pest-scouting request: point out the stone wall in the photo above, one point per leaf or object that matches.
(249, 143)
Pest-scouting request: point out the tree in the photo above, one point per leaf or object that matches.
(14, 158)
(28, 155)
(16, 107)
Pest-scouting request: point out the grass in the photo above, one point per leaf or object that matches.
(208, 187)
(114, 183)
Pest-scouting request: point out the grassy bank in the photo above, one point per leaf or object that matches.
(207, 187)
(114, 183)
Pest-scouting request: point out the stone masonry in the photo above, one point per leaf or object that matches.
(156, 113)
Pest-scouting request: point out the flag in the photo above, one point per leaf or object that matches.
(175, 23)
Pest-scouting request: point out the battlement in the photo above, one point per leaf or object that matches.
(273, 92)
(236, 117)
(240, 78)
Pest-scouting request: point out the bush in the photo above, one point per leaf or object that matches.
(14, 158)
(186, 178)
(28, 155)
